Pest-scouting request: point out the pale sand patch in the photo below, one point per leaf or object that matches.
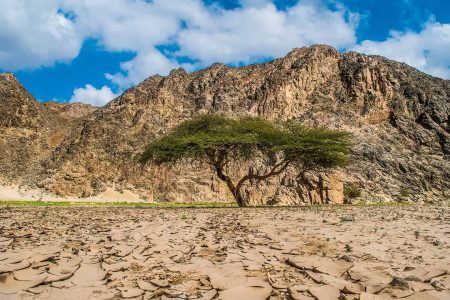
(112, 195)
(16, 193)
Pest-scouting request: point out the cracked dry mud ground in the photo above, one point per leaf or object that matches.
(218, 253)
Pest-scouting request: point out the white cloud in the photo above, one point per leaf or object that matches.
(144, 64)
(91, 95)
(260, 30)
(35, 34)
(205, 34)
(129, 25)
(427, 50)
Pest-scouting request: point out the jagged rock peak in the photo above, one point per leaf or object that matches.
(314, 50)
(178, 72)
(18, 107)
(8, 77)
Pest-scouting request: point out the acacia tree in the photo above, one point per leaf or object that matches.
(220, 141)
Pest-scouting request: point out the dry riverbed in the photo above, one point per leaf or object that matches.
(225, 253)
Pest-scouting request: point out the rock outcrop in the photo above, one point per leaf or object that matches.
(18, 107)
(24, 124)
(399, 118)
(70, 111)
(29, 130)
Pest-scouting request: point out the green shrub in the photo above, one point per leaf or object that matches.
(351, 191)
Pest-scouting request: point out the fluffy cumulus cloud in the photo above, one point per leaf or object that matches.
(144, 64)
(427, 50)
(260, 30)
(35, 34)
(91, 95)
(196, 35)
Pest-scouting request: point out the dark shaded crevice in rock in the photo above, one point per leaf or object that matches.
(444, 137)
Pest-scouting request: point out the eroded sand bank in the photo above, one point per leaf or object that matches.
(232, 253)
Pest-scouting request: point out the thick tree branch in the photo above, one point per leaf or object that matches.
(224, 163)
(277, 169)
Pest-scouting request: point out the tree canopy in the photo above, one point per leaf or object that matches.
(219, 141)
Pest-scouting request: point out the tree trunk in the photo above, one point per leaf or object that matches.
(239, 198)
(235, 191)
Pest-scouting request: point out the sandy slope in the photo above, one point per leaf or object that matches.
(229, 253)
(110, 195)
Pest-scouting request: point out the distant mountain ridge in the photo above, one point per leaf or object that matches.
(398, 115)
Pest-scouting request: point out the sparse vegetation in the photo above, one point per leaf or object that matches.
(417, 234)
(221, 141)
(348, 218)
(351, 191)
(437, 243)
(404, 193)
(9, 204)
(348, 248)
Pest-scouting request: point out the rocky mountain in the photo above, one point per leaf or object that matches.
(23, 123)
(18, 107)
(29, 130)
(399, 118)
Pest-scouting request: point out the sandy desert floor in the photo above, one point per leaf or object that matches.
(225, 253)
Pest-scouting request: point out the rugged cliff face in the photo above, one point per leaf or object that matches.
(398, 115)
(29, 130)
(70, 111)
(23, 123)
(18, 108)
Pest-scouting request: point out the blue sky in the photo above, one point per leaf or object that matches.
(92, 50)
